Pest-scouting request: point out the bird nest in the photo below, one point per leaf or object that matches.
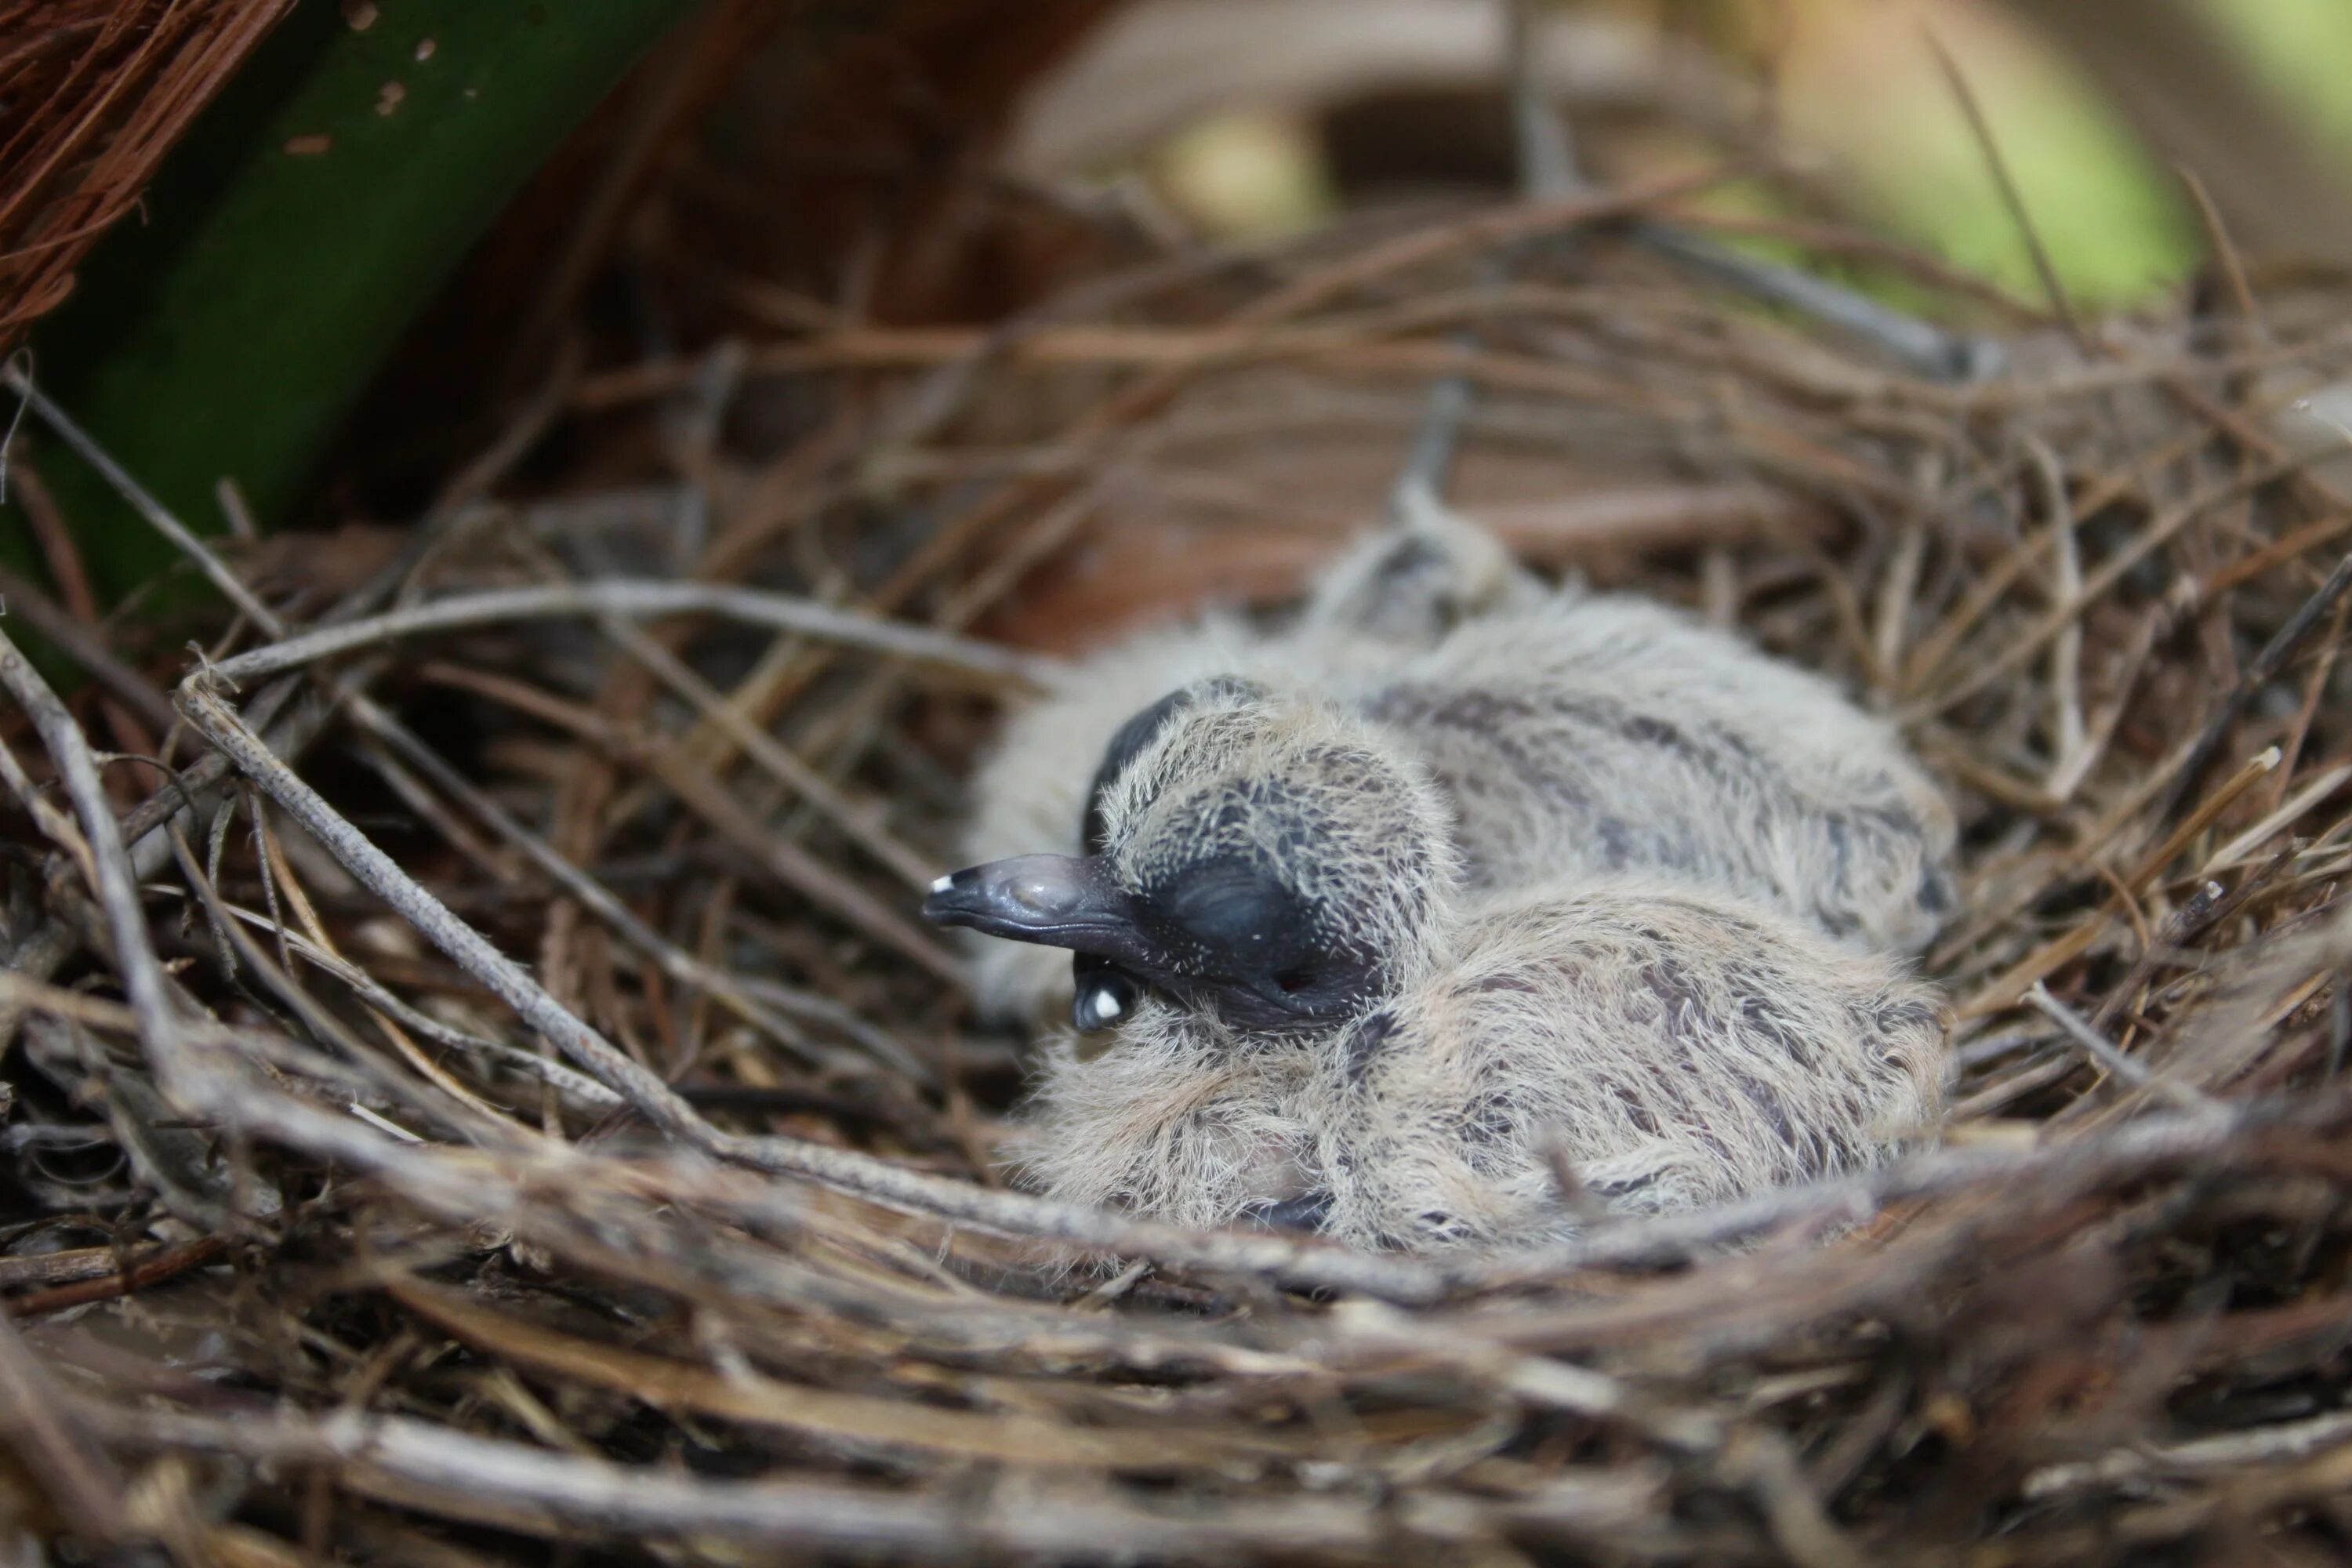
(530, 1113)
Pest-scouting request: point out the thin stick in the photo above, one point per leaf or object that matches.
(2258, 1446)
(2021, 645)
(1546, 159)
(2104, 1051)
(2133, 1148)
(2010, 196)
(701, 792)
(675, 961)
(19, 364)
(233, 509)
(86, 648)
(2068, 736)
(167, 804)
(50, 1443)
(2225, 251)
(510, 1486)
(2257, 675)
(1919, 346)
(120, 1278)
(1547, 172)
(110, 863)
(108, 869)
(771, 753)
(2008, 989)
(639, 598)
(2204, 907)
(155, 515)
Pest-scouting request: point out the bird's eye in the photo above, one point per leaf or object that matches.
(1105, 994)
(1295, 980)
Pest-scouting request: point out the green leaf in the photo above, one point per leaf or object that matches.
(290, 239)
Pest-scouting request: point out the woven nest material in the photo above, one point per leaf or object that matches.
(92, 94)
(547, 1121)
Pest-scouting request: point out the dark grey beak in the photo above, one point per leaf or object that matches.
(1060, 901)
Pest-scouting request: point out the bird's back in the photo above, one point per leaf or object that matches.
(1588, 736)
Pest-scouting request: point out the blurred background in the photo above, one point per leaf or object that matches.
(773, 170)
(2103, 110)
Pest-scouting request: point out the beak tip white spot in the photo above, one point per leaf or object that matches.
(943, 884)
(1107, 1008)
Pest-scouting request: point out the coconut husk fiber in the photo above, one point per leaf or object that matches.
(92, 94)
(514, 1110)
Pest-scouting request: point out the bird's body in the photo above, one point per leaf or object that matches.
(1455, 880)
(1670, 1048)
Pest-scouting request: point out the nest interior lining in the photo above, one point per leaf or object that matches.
(541, 1105)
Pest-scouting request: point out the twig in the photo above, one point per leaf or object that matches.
(1802, 1527)
(1548, 169)
(1420, 487)
(2225, 251)
(51, 1442)
(27, 602)
(1919, 346)
(473, 1119)
(2020, 647)
(168, 805)
(1547, 161)
(512, 1486)
(2135, 1147)
(2228, 1450)
(2069, 743)
(853, 1418)
(2105, 1052)
(638, 598)
(2259, 673)
(2007, 989)
(156, 516)
(195, 1089)
(374, 992)
(2205, 906)
(697, 790)
(19, 371)
(235, 511)
(1547, 172)
(2006, 182)
(120, 1278)
(771, 754)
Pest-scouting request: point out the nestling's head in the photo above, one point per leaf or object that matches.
(1251, 853)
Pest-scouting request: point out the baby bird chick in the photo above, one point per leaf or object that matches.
(1571, 736)
(1337, 1027)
